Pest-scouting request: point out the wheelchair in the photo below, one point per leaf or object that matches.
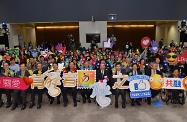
(173, 96)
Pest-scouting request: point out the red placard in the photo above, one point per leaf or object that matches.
(13, 83)
(182, 58)
(145, 42)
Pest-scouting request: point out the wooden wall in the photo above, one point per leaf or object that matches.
(133, 34)
(123, 35)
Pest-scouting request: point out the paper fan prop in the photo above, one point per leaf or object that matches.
(60, 48)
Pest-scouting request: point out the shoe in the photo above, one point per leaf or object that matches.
(75, 105)
(138, 102)
(65, 104)
(8, 104)
(23, 107)
(116, 105)
(123, 106)
(84, 100)
(51, 101)
(31, 105)
(132, 103)
(38, 106)
(1, 104)
(14, 107)
(58, 101)
(89, 101)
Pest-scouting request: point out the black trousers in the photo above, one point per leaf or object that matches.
(121, 92)
(154, 93)
(8, 95)
(58, 97)
(38, 92)
(73, 90)
(20, 96)
(85, 93)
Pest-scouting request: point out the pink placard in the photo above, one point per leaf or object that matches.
(13, 83)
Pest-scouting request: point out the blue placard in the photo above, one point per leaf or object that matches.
(140, 94)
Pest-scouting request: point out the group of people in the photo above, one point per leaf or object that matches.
(104, 61)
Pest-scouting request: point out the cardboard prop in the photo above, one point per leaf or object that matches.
(14, 83)
(85, 78)
(139, 86)
(145, 42)
(120, 85)
(100, 90)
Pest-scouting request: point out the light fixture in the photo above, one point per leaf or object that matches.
(56, 27)
(131, 26)
(111, 16)
(4, 30)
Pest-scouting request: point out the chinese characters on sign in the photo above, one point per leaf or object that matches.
(120, 85)
(173, 83)
(70, 79)
(13, 83)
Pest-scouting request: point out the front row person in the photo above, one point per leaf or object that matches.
(133, 72)
(122, 92)
(34, 91)
(51, 99)
(6, 72)
(151, 71)
(20, 96)
(65, 90)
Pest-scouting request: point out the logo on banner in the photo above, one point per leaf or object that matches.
(145, 42)
(139, 86)
(85, 78)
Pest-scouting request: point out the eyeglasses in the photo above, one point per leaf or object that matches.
(173, 56)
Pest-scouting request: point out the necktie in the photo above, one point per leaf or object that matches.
(102, 72)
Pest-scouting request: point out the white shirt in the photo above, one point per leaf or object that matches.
(158, 68)
(135, 72)
(118, 79)
(153, 72)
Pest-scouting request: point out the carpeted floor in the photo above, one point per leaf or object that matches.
(90, 112)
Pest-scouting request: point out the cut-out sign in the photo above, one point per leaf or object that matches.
(13, 83)
(85, 78)
(120, 85)
(145, 42)
(48, 80)
(183, 57)
(139, 86)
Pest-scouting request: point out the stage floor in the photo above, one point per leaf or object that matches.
(90, 112)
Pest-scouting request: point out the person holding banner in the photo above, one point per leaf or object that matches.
(34, 91)
(133, 72)
(18, 95)
(71, 69)
(6, 72)
(177, 95)
(122, 92)
(85, 93)
(51, 99)
(151, 71)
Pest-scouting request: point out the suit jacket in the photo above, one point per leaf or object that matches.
(36, 72)
(9, 74)
(99, 76)
(131, 73)
(148, 72)
(18, 74)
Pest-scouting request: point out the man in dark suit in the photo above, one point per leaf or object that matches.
(17, 94)
(151, 71)
(85, 93)
(6, 72)
(103, 73)
(38, 72)
(159, 66)
(135, 71)
(51, 99)
(118, 91)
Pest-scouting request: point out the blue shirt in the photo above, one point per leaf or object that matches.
(35, 54)
(15, 67)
